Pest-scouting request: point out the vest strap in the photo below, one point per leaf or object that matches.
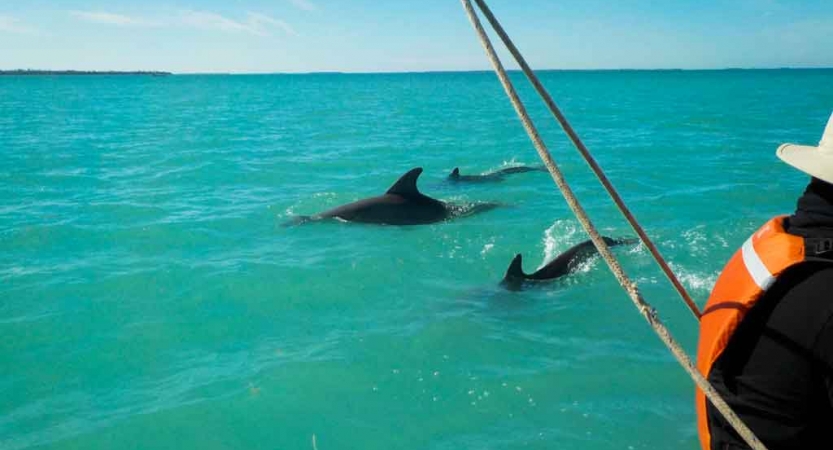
(819, 247)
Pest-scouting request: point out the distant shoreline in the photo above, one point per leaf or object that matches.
(82, 72)
(26, 72)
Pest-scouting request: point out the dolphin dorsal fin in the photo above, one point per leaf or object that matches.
(406, 184)
(455, 173)
(515, 270)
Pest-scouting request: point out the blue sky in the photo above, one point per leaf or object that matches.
(409, 35)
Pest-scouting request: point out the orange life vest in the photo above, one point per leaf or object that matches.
(750, 271)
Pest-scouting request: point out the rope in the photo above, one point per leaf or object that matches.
(642, 306)
(588, 157)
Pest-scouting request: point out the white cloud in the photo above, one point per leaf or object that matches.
(304, 4)
(109, 18)
(213, 21)
(258, 20)
(255, 23)
(10, 24)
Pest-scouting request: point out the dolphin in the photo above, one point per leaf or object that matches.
(492, 177)
(562, 265)
(402, 204)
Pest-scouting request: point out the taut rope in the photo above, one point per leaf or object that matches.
(588, 157)
(642, 306)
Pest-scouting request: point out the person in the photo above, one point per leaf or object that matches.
(766, 332)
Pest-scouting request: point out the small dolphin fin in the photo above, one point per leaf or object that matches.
(514, 278)
(406, 184)
(515, 270)
(455, 173)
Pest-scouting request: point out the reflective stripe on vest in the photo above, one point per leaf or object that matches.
(755, 266)
(750, 272)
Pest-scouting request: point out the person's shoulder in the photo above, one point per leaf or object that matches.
(809, 284)
(817, 267)
(816, 272)
(800, 303)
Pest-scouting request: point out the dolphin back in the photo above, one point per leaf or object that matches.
(563, 264)
(621, 241)
(583, 251)
(522, 169)
(401, 204)
(494, 176)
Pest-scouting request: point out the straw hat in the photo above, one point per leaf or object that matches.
(814, 161)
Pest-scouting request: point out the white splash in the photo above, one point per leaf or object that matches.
(511, 163)
(557, 238)
(694, 280)
(697, 241)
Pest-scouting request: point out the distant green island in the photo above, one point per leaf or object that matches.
(81, 72)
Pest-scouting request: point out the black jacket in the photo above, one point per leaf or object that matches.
(777, 369)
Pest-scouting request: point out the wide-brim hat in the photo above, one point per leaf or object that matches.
(814, 161)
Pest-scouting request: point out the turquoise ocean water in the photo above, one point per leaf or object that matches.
(150, 297)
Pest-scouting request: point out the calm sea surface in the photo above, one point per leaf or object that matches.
(150, 297)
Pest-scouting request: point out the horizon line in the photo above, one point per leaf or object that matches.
(393, 72)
